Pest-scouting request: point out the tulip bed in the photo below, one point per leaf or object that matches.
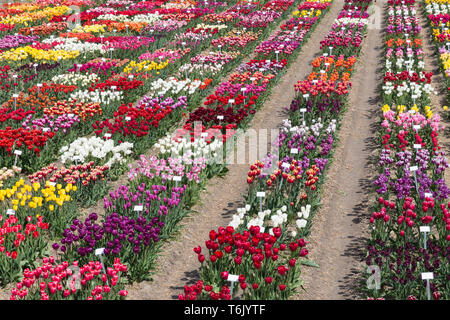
(411, 191)
(264, 244)
(438, 20)
(92, 96)
(74, 95)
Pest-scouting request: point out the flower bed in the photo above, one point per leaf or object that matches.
(411, 191)
(438, 19)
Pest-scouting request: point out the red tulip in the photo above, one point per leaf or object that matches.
(292, 262)
(301, 242)
(293, 246)
(123, 293)
(212, 235)
(303, 252)
(282, 270)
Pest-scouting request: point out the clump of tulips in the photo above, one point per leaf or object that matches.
(268, 266)
(64, 281)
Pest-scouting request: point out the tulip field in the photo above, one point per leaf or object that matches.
(117, 117)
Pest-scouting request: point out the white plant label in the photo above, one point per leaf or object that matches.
(107, 135)
(417, 146)
(127, 118)
(413, 168)
(138, 208)
(176, 178)
(294, 150)
(428, 195)
(220, 117)
(233, 278)
(17, 152)
(285, 165)
(260, 194)
(303, 110)
(424, 229)
(99, 251)
(10, 212)
(427, 275)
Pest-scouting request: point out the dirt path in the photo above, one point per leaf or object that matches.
(177, 265)
(339, 229)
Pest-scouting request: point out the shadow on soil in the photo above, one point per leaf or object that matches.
(190, 278)
(349, 285)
